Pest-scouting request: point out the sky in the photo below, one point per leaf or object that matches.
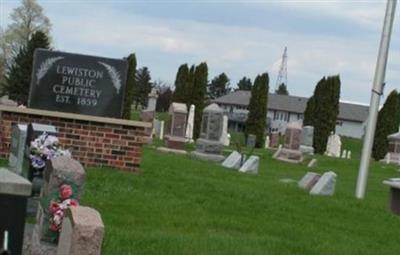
(240, 38)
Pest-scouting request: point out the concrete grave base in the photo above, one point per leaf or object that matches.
(207, 156)
(307, 150)
(176, 143)
(33, 245)
(165, 149)
(290, 156)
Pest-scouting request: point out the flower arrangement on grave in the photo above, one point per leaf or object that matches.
(44, 148)
(58, 203)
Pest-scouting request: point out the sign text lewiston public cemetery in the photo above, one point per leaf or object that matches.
(77, 83)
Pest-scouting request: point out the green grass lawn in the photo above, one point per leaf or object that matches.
(177, 205)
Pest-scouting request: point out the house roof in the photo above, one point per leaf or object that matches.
(295, 104)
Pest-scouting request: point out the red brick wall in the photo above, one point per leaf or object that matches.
(91, 143)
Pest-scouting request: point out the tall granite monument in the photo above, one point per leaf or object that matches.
(77, 83)
(209, 145)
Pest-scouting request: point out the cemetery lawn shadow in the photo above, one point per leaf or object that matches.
(177, 205)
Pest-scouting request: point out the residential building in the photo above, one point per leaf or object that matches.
(283, 109)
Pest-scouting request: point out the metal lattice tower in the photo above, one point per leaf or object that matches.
(282, 75)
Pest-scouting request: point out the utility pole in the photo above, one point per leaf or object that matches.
(377, 91)
(282, 75)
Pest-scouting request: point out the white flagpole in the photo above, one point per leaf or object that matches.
(377, 91)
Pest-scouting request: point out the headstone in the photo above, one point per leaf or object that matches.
(76, 83)
(325, 185)
(233, 160)
(348, 154)
(61, 172)
(266, 146)
(17, 148)
(251, 165)
(209, 145)
(287, 180)
(175, 138)
(274, 139)
(156, 127)
(149, 113)
(224, 135)
(312, 163)
(290, 152)
(251, 141)
(82, 232)
(228, 140)
(306, 144)
(309, 180)
(393, 154)
(190, 124)
(278, 151)
(161, 130)
(344, 154)
(14, 191)
(333, 146)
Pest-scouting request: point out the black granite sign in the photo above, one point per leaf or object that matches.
(77, 83)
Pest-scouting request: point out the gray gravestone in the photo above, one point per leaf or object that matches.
(251, 165)
(82, 232)
(309, 180)
(251, 141)
(209, 145)
(76, 83)
(17, 148)
(307, 136)
(233, 160)
(325, 185)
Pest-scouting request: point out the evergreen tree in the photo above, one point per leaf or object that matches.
(388, 123)
(199, 95)
(326, 109)
(257, 117)
(180, 93)
(309, 113)
(130, 86)
(244, 84)
(143, 84)
(219, 86)
(164, 100)
(18, 77)
(282, 90)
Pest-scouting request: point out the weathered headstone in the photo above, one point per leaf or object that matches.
(148, 114)
(190, 124)
(344, 154)
(224, 135)
(251, 141)
(228, 140)
(348, 154)
(325, 185)
(306, 144)
(82, 232)
(393, 154)
(312, 163)
(175, 139)
(274, 139)
(76, 83)
(233, 160)
(266, 146)
(4, 100)
(277, 152)
(59, 171)
(290, 152)
(251, 165)
(333, 146)
(18, 141)
(209, 145)
(309, 180)
(14, 191)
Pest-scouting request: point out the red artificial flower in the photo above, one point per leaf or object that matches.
(65, 191)
(54, 227)
(73, 202)
(54, 207)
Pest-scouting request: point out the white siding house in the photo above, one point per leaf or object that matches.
(284, 109)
